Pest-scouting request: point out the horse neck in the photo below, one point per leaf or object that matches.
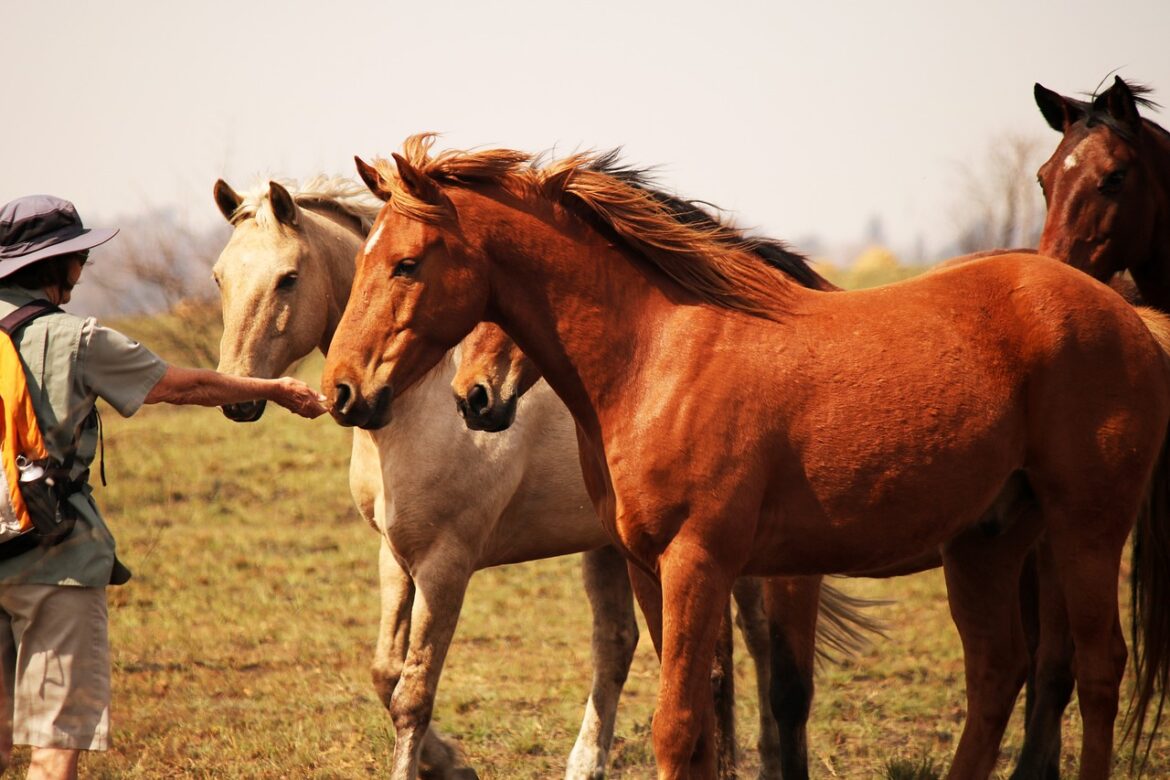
(424, 409)
(1159, 141)
(1151, 270)
(579, 307)
(335, 243)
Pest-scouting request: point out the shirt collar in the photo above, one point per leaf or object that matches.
(19, 296)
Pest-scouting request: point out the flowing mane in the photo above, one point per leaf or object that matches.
(338, 195)
(707, 255)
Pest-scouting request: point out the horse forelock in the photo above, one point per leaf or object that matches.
(452, 166)
(336, 194)
(1093, 115)
(704, 253)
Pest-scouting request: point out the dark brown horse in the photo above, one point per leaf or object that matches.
(740, 423)
(1107, 186)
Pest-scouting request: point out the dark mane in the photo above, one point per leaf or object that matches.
(695, 212)
(713, 259)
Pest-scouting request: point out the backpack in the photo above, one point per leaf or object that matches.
(34, 487)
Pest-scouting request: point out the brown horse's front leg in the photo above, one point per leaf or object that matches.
(792, 605)
(1050, 678)
(695, 593)
(723, 697)
(753, 627)
(649, 596)
(983, 576)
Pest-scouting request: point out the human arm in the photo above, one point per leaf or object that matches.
(204, 387)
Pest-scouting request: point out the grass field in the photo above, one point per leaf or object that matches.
(241, 646)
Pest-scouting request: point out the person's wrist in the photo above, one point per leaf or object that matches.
(273, 389)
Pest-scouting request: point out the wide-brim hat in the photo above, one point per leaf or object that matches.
(37, 227)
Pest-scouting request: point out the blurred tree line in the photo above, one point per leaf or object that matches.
(998, 205)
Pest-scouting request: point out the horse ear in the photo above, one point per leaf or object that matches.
(1118, 100)
(227, 200)
(419, 183)
(283, 205)
(372, 178)
(1059, 111)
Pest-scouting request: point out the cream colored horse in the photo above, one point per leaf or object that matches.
(446, 501)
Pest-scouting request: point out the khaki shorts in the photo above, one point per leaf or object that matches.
(55, 662)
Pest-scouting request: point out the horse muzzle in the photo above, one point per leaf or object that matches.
(481, 412)
(353, 410)
(248, 411)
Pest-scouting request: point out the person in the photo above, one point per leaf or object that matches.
(54, 650)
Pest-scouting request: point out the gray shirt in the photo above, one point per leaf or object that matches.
(70, 362)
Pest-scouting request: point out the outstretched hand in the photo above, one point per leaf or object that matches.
(299, 398)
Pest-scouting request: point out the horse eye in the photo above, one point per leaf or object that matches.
(405, 267)
(1113, 181)
(287, 282)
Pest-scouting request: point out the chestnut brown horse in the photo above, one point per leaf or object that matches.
(494, 374)
(1107, 186)
(740, 423)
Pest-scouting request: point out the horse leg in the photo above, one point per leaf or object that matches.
(723, 693)
(695, 593)
(615, 636)
(753, 626)
(983, 576)
(397, 596)
(1086, 561)
(792, 605)
(1051, 675)
(649, 595)
(440, 582)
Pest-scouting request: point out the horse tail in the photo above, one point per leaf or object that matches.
(1150, 581)
(843, 628)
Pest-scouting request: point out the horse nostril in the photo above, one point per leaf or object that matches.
(478, 400)
(343, 397)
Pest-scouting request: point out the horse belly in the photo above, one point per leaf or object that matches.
(876, 496)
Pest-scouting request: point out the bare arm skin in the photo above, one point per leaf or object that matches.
(204, 387)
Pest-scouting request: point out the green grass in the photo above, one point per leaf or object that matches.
(241, 646)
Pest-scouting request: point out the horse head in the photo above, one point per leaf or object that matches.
(1105, 183)
(493, 373)
(415, 296)
(282, 279)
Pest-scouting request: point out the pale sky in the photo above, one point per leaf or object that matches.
(803, 119)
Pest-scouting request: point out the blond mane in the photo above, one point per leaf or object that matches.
(712, 258)
(321, 193)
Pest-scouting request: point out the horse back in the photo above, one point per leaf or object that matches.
(844, 414)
